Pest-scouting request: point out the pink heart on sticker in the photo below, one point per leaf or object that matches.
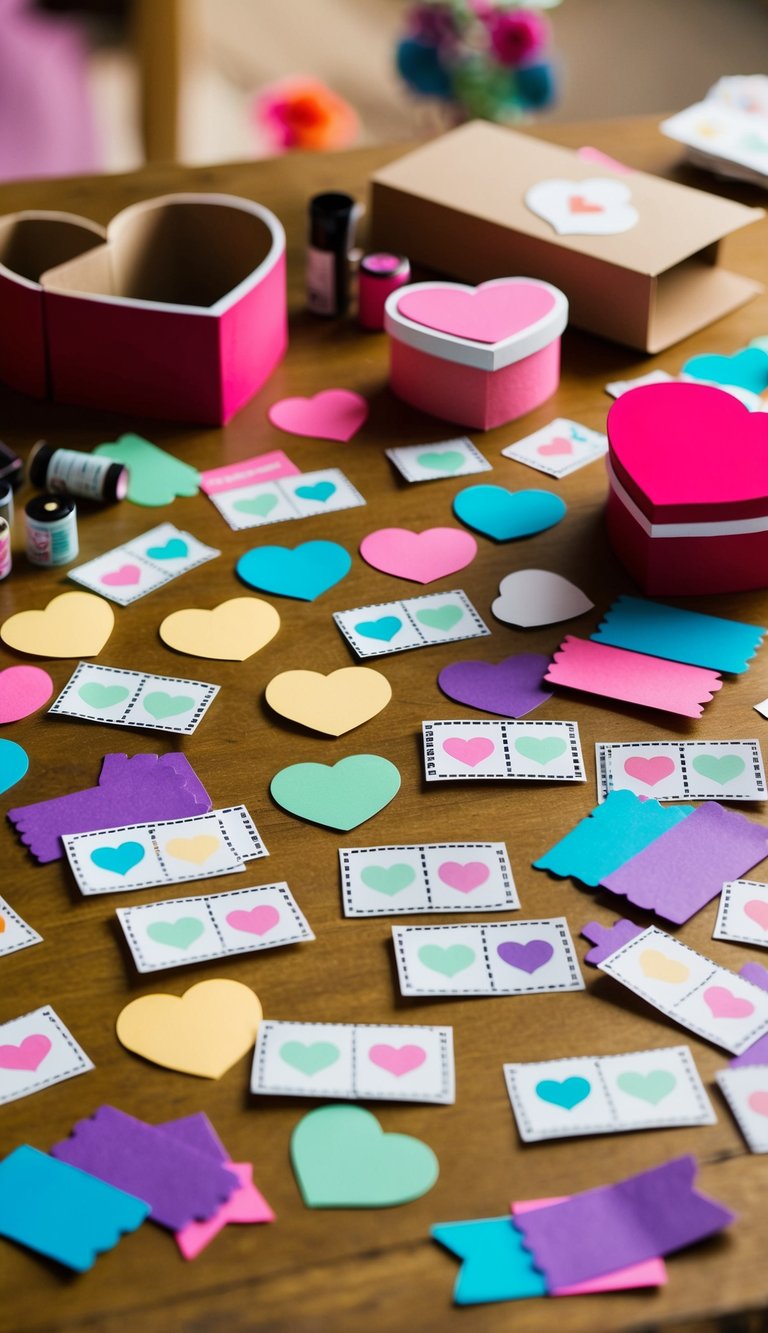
(757, 911)
(557, 446)
(333, 414)
(649, 771)
(29, 1054)
(724, 1004)
(469, 752)
(489, 314)
(464, 877)
(397, 1060)
(23, 689)
(418, 556)
(122, 577)
(758, 1101)
(256, 922)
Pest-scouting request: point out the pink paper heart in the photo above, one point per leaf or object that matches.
(757, 911)
(464, 877)
(649, 771)
(28, 1055)
(421, 557)
(554, 447)
(333, 414)
(256, 922)
(724, 1004)
(23, 689)
(469, 752)
(397, 1060)
(122, 577)
(758, 1102)
(491, 313)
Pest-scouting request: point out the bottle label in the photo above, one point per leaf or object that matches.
(321, 281)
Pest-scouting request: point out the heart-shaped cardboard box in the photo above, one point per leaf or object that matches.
(179, 312)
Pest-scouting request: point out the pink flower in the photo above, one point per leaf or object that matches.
(303, 113)
(517, 35)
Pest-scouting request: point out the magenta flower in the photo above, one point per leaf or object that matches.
(517, 35)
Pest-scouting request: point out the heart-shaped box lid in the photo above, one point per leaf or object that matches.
(486, 327)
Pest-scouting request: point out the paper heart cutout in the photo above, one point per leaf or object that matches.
(74, 624)
(527, 956)
(566, 1094)
(23, 689)
(260, 505)
(508, 515)
(102, 696)
(14, 764)
(119, 860)
(719, 768)
(490, 313)
(397, 1060)
(309, 1057)
(384, 629)
(440, 617)
(155, 477)
(757, 911)
(179, 934)
(28, 1055)
(195, 850)
(471, 751)
(332, 704)
(421, 557)
(160, 705)
(649, 771)
(388, 880)
(747, 369)
(722, 1003)
(533, 597)
(333, 414)
(340, 795)
(257, 921)
(343, 1159)
(304, 572)
(231, 632)
(555, 448)
(660, 967)
(595, 207)
(123, 577)
(541, 749)
(448, 959)
(511, 688)
(203, 1032)
(758, 1102)
(652, 1087)
(465, 876)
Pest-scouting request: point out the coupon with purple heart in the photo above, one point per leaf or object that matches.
(743, 913)
(493, 958)
(428, 462)
(427, 877)
(560, 448)
(125, 698)
(167, 851)
(682, 770)
(302, 496)
(139, 566)
(414, 622)
(14, 931)
(494, 750)
(216, 925)
(606, 1094)
(746, 1092)
(392, 1062)
(36, 1051)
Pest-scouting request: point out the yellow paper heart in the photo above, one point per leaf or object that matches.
(231, 632)
(2, 924)
(75, 624)
(332, 704)
(196, 849)
(204, 1031)
(662, 968)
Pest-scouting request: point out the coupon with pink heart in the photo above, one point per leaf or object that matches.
(487, 958)
(682, 770)
(502, 750)
(36, 1051)
(215, 925)
(743, 913)
(746, 1092)
(125, 698)
(427, 877)
(304, 495)
(560, 448)
(139, 566)
(390, 1062)
(14, 931)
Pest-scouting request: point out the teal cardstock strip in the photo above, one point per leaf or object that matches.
(614, 832)
(496, 1265)
(679, 636)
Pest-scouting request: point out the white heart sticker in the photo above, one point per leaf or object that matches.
(595, 207)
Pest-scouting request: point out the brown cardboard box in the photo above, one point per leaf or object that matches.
(457, 205)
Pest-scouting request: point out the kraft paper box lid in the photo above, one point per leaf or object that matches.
(457, 205)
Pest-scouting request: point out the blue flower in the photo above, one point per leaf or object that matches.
(420, 66)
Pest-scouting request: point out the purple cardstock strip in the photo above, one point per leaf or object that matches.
(196, 1132)
(757, 1053)
(511, 688)
(607, 939)
(686, 867)
(643, 1217)
(180, 1184)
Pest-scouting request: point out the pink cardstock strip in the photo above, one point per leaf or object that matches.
(333, 414)
(233, 476)
(245, 1205)
(634, 678)
(600, 159)
(421, 557)
(649, 1273)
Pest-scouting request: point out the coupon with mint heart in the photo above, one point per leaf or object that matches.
(488, 751)
(487, 958)
(414, 622)
(427, 877)
(126, 698)
(128, 572)
(429, 462)
(303, 495)
(682, 770)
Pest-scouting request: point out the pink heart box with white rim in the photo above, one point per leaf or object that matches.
(479, 356)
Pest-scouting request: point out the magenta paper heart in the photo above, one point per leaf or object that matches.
(724, 1004)
(649, 771)
(464, 877)
(333, 414)
(489, 314)
(757, 911)
(555, 447)
(256, 922)
(29, 1054)
(23, 689)
(469, 752)
(421, 557)
(122, 577)
(759, 1102)
(397, 1060)
(528, 957)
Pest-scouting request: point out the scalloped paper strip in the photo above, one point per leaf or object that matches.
(595, 668)
(679, 636)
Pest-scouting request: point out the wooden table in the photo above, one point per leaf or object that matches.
(345, 1270)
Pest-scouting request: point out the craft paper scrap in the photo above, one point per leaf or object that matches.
(303, 496)
(495, 1264)
(643, 1217)
(649, 1273)
(234, 476)
(618, 387)
(342, 1158)
(512, 687)
(506, 515)
(490, 750)
(682, 770)
(606, 940)
(608, 836)
(74, 624)
(155, 477)
(216, 925)
(415, 622)
(529, 598)
(762, 708)
(757, 1053)
(203, 1032)
(422, 557)
(360, 1061)
(169, 851)
(680, 636)
(332, 704)
(146, 786)
(560, 448)
(139, 566)
(634, 678)
(304, 571)
(497, 958)
(36, 1051)
(429, 462)
(332, 414)
(746, 1092)
(690, 989)
(61, 1212)
(14, 931)
(126, 698)
(427, 877)
(742, 913)
(23, 689)
(14, 764)
(230, 632)
(579, 1095)
(340, 795)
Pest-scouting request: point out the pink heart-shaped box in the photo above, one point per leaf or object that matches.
(480, 356)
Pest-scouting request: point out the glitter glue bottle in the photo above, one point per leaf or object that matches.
(378, 275)
(6, 561)
(333, 218)
(51, 524)
(68, 472)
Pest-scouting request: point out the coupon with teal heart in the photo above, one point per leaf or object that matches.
(560, 448)
(429, 462)
(605, 1094)
(303, 495)
(682, 770)
(427, 877)
(502, 750)
(414, 622)
(487, 958)
(137, 567)
(126, 698)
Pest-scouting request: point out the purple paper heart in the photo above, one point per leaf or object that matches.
(512, 687)
(528, 957)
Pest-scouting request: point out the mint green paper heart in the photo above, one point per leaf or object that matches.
(652, 1087)
(260, 505)
(441, 617)
(388, 879)
(154, 476)
(540, 749)
(720, 768)
(343, 1159)
(309, 1057)
(102, 696)
(161, 705)
(341, 795)
(447, 960)
(179, 934)
(447, 461)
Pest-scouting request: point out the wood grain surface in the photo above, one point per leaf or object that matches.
(344, 1270)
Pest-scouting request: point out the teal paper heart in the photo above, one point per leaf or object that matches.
(309, 1057)
(505, 515)
(566, 1094)
(720, 768)
(260, 505)
(179, 934)
(652, 1087)
(102, 696)
(339, 796)
(747, 369)
(440, 617)
(161, 705)
(541, 749)
(174, 549)
(385, 628)
(322, 491)
(448, 960)
(14, 763)
(304, 572)
(448, 461)
(119, 859)
(343, 1159)
(388, 879)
